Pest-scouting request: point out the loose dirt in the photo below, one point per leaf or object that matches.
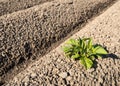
(28, 34)
(10, 6)
(56, 70)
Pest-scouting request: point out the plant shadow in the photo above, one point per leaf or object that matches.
(113, 56)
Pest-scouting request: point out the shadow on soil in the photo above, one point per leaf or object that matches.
(113, 56)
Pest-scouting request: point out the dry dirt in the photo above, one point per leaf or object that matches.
(55, 70)
(28, 34)
(10, 6)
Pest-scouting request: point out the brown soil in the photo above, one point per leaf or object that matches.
(29, 34)
(9, 6)
(54, 69)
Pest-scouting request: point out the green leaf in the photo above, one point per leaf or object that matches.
(99, 57)
(85, 39)
(68, 54)
(72, 42)
(76, 49)
(75, 56)
(90, 43)
(100, 50)
(92, 57)
(81, 43)
(67, 49)
(86, 62)
(83, 47)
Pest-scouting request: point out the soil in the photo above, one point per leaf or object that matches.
(28, 34)
(54, 69)
(10, 6)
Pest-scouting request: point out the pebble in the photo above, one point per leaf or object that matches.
(69, 78)
(100, 80)
(63, 74)
(26, 79)
(67, 1)
(71, 72)
(91, 70)
(15, 79)
(55, 70)
(58, 60)
(26, 83)
(33, 75)
(82, 75)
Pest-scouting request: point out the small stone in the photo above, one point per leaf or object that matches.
(33, 75)
(26, 84)
(67, 1)
(63, 74)
(100, 79)
(55, 70)
(95, 80)
(69, 78)
(91, 70)
(71, 72)
(26, 79)
(15, 79)
(82, 75)
(58, 60)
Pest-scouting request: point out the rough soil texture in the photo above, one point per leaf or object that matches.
(9, 6)
(29, 33)
(55, 70)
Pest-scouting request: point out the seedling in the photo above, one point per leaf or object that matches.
(83, 50)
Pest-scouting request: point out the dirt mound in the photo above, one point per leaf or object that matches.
(9, 6)
(29, 33)
(54, 69)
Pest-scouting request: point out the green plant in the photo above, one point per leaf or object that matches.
(83, 50)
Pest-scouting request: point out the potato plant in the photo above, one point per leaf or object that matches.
(83, 50)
